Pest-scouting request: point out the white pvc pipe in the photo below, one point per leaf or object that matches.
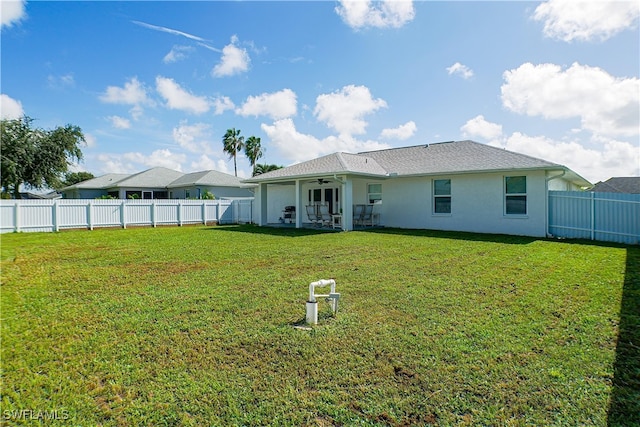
(319, 283)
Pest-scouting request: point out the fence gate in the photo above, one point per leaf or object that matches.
(609, 217)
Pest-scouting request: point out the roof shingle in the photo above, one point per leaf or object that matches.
(431, 159)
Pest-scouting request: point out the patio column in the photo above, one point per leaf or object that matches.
(347, 205)
(299, 211)
(261, 203)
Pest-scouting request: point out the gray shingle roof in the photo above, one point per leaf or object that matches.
(431, 159)
(629, 185)
(158, 177)
(326, 165)
(207, 178)
(452, 157)
(105, 181)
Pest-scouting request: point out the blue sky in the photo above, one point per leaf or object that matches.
(157, 83)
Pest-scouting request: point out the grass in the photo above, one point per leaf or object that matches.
(193, 326)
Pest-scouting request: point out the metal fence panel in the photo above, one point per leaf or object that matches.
(610, 217)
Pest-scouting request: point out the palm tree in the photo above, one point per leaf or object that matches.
(264, 168)
(253, 150)
(233, 144)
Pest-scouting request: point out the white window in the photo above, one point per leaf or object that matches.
(515, 189)
(374, 193)
(441, 196)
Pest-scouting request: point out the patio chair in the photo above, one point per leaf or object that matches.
(358, 210)
(324, 215)
(312, 214)
(367, 215)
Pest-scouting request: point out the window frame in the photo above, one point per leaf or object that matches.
(370, 193)
(437, 197)
(515, 196)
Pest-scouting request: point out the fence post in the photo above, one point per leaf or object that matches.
(16, 214)
(153, 213)
(593, 215)
(204, 212)
(179, 212)
(56, 227)
(89, 214)
(123, 215)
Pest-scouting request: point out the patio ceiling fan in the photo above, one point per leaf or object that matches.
(321, 181)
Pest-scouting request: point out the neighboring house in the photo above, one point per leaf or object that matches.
(159, 183)
(40, 196)
(628, 185)
(222, 185)
(462, 186)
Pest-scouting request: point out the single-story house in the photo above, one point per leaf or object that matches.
(160, 183)
(626, 184)
(459, 185)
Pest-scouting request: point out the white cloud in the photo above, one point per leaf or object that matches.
(204, 162)
(297, 147)
(380, 14)
(133, 93)
(163, 157)
(479, 127)
(277, 105)
(345, 109)
(179, 99)
(61, 82)
(195, 138)
(177, 53)
(112, 163)
(11, 12)
(570, 20)
(222, 104)
(402, 132)
(10, 108)
(119, 122)
(90, 140)
(234, 60)
(461, 70)
(136, 112)
(615, 158)
(605, 105)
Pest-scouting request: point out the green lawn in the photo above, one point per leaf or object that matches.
(194, 326)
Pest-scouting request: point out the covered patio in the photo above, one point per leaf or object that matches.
(322, 203)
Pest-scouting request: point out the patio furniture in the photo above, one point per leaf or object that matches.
(289, 214)
(357, 214)
(367, 215)
(336, 221)
(312, 214)
(324, 215)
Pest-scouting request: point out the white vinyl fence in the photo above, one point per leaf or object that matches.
(608, 217)
(61, 214)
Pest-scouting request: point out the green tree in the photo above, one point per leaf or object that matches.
(233, 144)
(253, 150)
(71, 178)
(264, 168)
(36, 157)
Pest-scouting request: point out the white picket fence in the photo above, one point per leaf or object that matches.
(62, 214)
